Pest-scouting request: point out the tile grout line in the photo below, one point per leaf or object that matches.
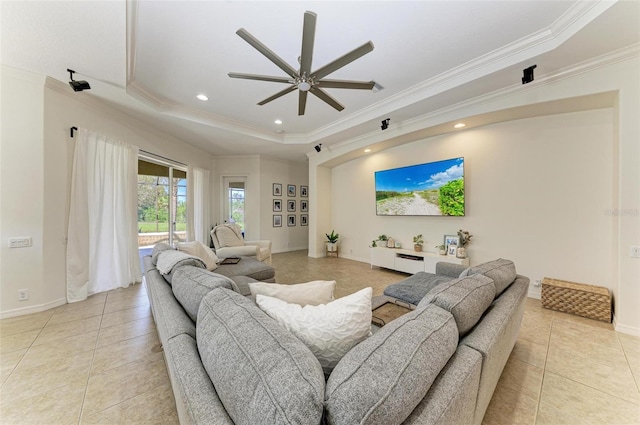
(626, 357)
(544, 371)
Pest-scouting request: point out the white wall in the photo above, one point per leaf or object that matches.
(36, 162)
(261, 173)
(551, 224)
(536, 193)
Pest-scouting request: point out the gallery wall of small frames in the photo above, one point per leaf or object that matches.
(288, 201)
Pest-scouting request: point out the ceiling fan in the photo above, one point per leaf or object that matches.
(303, 79)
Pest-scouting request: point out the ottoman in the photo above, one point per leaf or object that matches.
(250, 267)
(414, 288)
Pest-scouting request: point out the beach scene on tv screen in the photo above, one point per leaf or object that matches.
(435, 188)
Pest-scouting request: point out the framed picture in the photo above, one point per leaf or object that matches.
(277, 205)
(291, 190)
(277, 221)
(304, 191)
(451, 240)
(304, 219)
(304, 205)
(452, 250)
(291, 205)
(277, 189)
(291, 220)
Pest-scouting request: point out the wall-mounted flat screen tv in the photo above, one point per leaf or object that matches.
(434, 188)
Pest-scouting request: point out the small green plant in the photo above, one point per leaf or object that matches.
(417, 240)
(333, 237)
(382, 237)
(440, 247)
(373, 244)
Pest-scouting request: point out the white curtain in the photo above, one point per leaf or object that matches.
(102, 249)
(198, 205)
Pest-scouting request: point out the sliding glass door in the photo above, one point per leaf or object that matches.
(162, 203)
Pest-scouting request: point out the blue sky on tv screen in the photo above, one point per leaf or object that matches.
(420, 177)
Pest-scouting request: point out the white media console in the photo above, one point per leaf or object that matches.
(409, 261)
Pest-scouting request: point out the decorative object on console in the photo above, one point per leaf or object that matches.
(391, 243)
(464, 238)
(452, 250)
(417, 242)
(442, 249)
(373, 244)
(382, 240)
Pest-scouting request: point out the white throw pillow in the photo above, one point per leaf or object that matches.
(310, 293)
(228, 237)
(200, 250)
(329, 330)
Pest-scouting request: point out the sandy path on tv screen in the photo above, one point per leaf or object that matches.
(408, 206)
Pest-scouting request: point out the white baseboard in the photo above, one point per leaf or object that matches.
(625, 329)
(32, 309)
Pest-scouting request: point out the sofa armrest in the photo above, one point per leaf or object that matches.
(243, 251)
(261, 244)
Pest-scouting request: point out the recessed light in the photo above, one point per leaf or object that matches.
(202, 97)
(460, 125)
(367, 150)
(278, 122)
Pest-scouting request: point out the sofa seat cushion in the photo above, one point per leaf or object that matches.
(261, 372)
(250, 267)
(329, 330)
(503, 273)
(382, 379)
(310, 293)
(414, 288)
(190, 284)
(466, 298)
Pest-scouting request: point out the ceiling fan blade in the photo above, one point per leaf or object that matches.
(260, 77)
(321, 94)
(308, 36)
(343, 60)
(302, 102)
(277, 95)
(280, 63)
(345, 84)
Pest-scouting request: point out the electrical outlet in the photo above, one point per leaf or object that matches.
(19, 242)
(537, 283)
(23, 294)
(635, 252)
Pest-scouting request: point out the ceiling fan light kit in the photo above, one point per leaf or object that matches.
(303, 79)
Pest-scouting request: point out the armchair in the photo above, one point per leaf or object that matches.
(227, 241)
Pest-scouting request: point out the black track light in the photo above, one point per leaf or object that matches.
(77, 85)
(527, 74)
(385, 124)
(318, 147)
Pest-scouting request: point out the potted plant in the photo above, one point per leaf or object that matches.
(464, 237)
(332, 241)
(383, 240)
(417, 243)
(442, 250)
(373, 244)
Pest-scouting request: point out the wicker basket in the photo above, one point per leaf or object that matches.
(593, 302)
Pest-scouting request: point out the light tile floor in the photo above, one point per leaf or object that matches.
(100, 361)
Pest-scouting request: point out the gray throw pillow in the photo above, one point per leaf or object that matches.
(503, 273)
(262, 373)
(190, 284)
(382, 379)
(465, 298)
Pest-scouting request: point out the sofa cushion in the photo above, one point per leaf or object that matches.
(250, 267)
(503, 273)
(228, 236)
(329, 330)
(191, 284)
(203, 252)
(170, 260)
(157, 249)
(414, 288)
(466, 298)
(310, 293)
(382, 379)
(262, 373)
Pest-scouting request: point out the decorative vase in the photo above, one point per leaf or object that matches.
(417, 248)
(461, 252)
(442, 252)
(331, 247)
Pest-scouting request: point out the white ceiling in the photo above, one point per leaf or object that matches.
(151, 58)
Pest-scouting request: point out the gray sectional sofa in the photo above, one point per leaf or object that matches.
(438, 364)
